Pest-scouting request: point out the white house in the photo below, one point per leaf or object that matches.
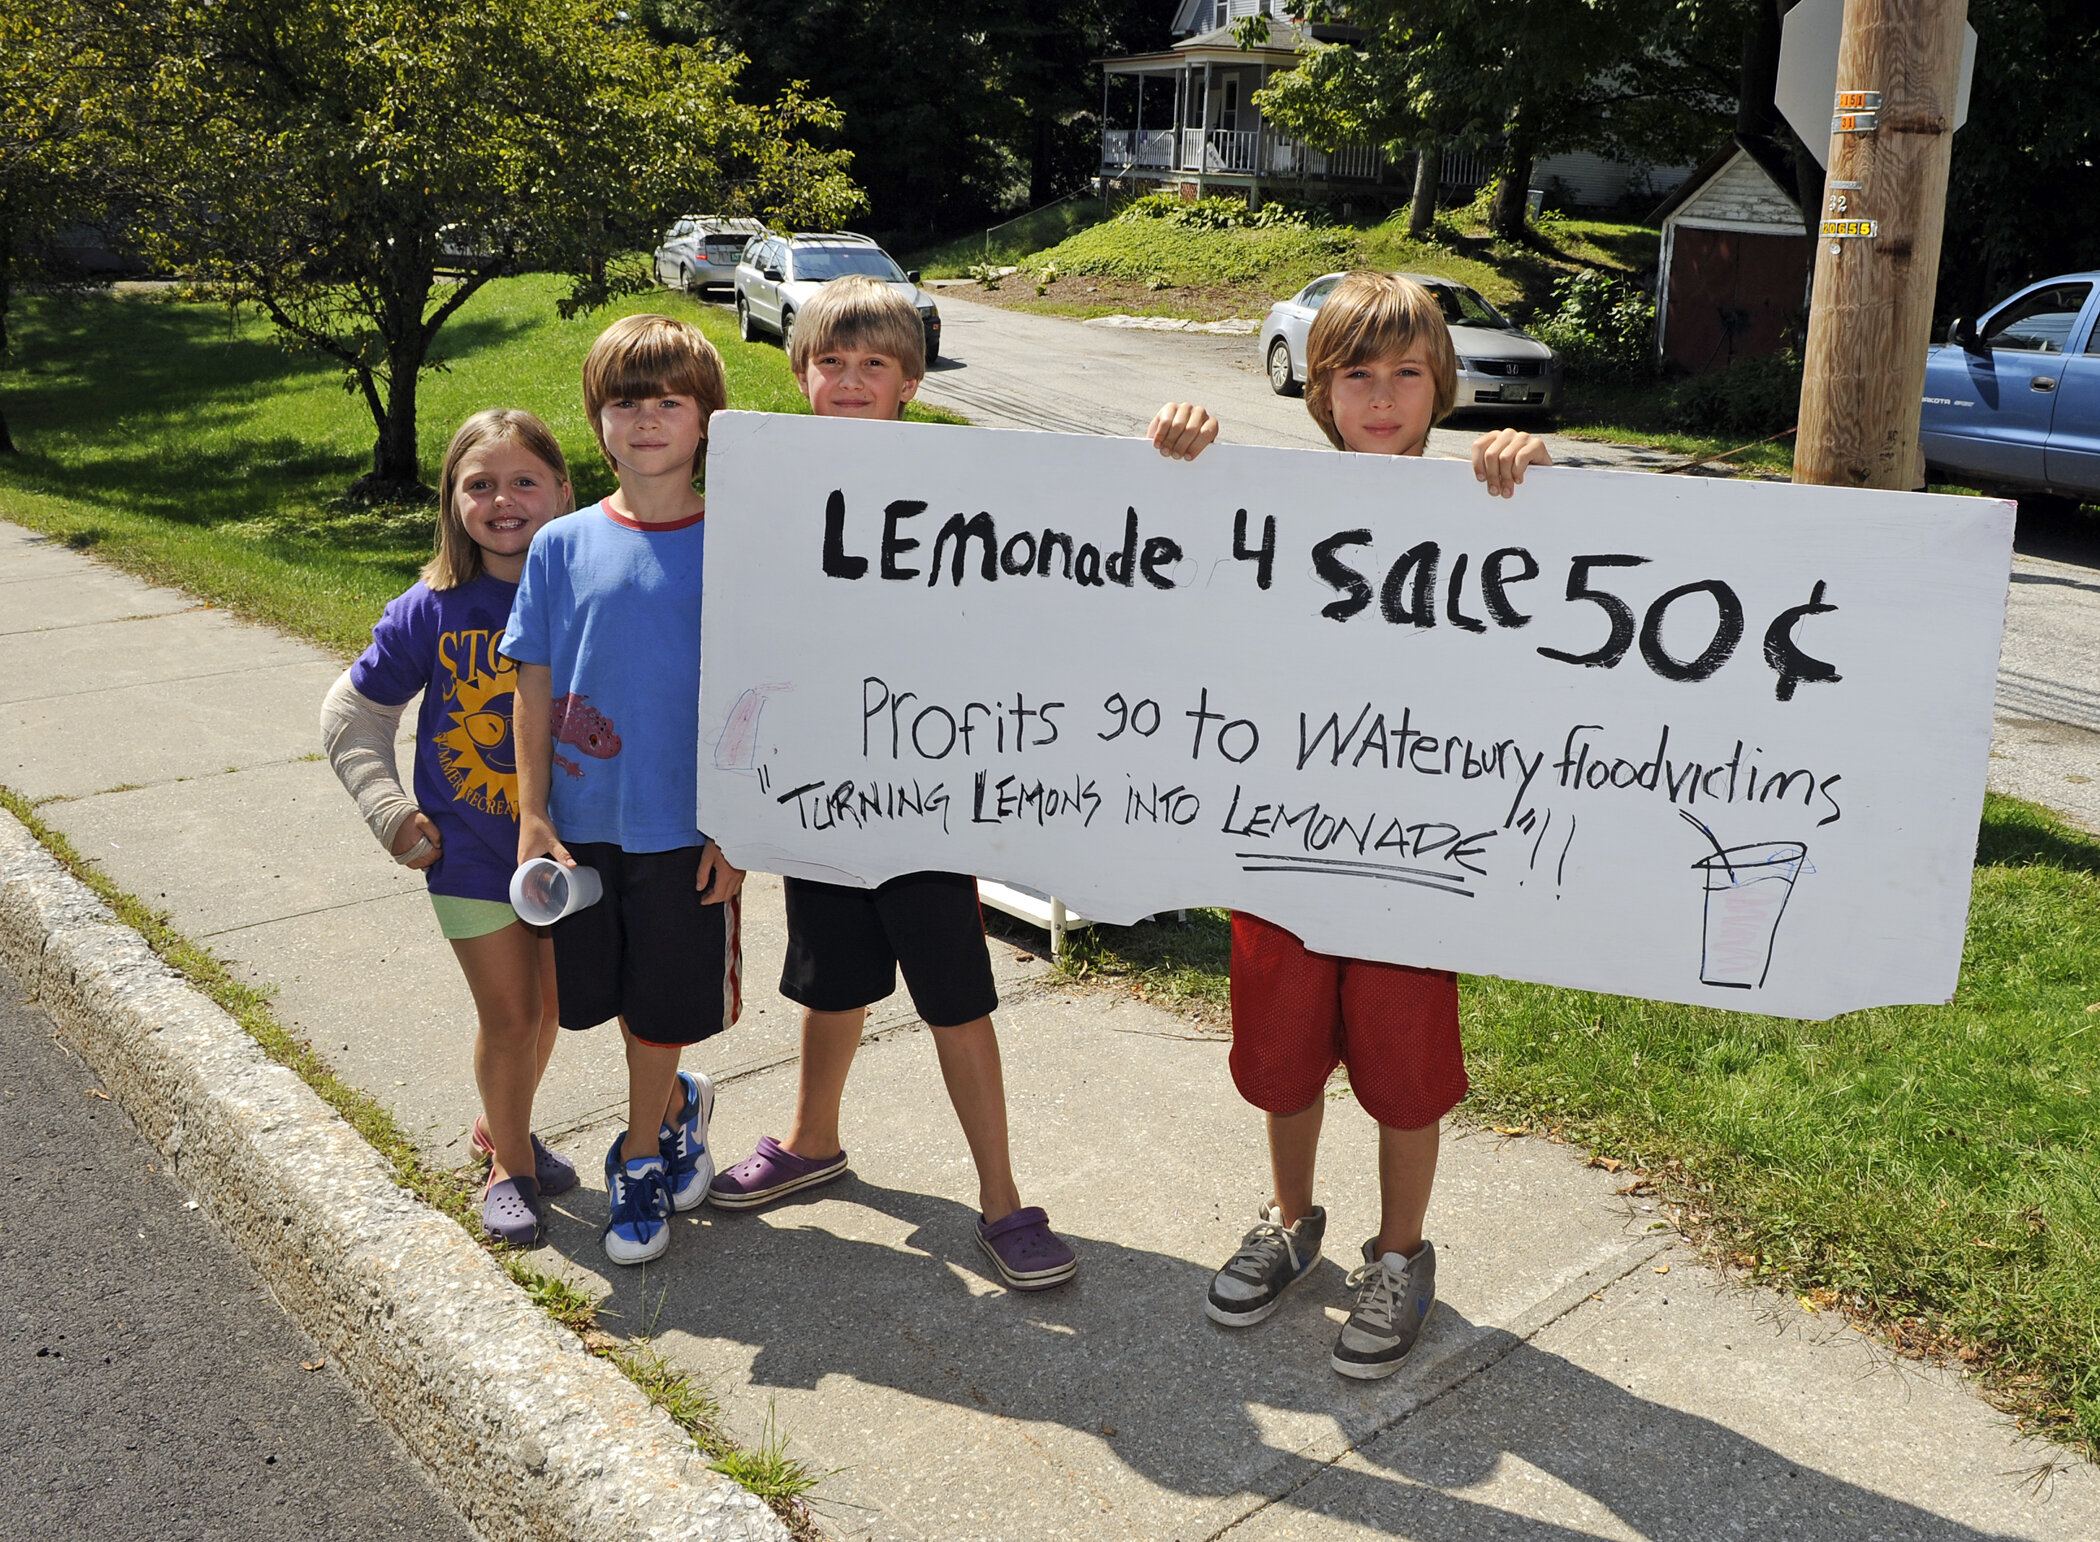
(1184, 118)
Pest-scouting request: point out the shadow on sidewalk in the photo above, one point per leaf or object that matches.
(1125, 1359)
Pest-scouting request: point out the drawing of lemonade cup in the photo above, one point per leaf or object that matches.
(543, 891)
(1747, 888)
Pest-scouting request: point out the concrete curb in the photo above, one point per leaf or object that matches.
(529, 1435)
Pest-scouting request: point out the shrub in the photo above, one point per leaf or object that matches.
(1213, 213)
(1603, 327)
(1750, 396)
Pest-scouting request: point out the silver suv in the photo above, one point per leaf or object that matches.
(701, 251)
(779, 274)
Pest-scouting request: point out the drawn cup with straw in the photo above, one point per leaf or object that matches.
(1747, 889)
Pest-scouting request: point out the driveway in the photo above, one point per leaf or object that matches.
(1012, 369)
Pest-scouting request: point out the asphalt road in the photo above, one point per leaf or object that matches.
(148, 1386)
(1012, 369)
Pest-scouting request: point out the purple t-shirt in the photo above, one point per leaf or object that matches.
(442, 642)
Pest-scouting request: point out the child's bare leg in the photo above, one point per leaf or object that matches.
(550, 1010)
(829, 1040)
(977, 1087)
(1406, 1169)
(511, 1044)
(653, 1093)
(1294, 1146)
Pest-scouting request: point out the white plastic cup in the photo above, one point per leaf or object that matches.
(543, 891)
(1747, 888)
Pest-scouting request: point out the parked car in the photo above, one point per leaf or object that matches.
(780, 273)
(1499, 364)
(2012, 401)
(701, 251)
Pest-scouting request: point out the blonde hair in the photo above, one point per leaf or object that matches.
(653, 356)
(1375, 316)
(860, 312)
(457, 560)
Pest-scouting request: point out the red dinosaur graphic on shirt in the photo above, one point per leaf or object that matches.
(586, 728)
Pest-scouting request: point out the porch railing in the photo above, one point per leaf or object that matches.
(1122, 149)
(1230, 150)
(1235, 151)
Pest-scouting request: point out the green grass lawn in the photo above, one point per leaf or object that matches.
(1933, 1170)
(191, 447)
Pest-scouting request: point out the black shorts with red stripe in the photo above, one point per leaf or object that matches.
(650, 952)
(845, 946)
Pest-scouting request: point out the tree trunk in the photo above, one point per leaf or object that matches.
(1756, 112)
(1429, 170)
(1506, 216)
(395, 476)
(1040, 171)
(7, 295)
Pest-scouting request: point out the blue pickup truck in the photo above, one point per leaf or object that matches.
(2012, 400)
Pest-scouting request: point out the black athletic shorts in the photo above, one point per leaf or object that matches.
(845, 946)
(649, 951)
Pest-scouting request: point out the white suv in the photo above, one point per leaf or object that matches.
(779, 274)
(702, 250)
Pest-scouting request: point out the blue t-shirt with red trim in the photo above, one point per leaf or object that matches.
(442, 642)
(612, 607)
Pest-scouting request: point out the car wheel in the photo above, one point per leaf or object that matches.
(1281, 380)
(685, 279)
(744, 328)
(787, 330)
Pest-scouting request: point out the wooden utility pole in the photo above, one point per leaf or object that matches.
(1878, 252)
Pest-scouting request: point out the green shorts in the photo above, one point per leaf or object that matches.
(460, 918)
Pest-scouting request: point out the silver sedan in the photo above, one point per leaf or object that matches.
(1499, 364)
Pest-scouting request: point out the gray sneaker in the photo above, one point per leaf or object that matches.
(1393, 1298)
(1272, 1258)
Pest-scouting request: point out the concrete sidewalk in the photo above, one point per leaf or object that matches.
(1567, 1386)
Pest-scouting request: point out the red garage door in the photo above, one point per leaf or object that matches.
(1732, 295)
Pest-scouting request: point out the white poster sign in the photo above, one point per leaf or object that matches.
(1695, 740)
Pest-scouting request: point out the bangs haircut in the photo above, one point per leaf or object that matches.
(457, 560)
(1372, 316)
(861, 313)
(644, 356)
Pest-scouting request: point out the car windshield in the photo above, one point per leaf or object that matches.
(820, 263)
(1463, 308)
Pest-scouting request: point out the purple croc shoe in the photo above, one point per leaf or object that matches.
(769, 1173)
(1026, 1252)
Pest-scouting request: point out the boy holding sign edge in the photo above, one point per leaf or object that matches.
(1380, 371)
(859, 352)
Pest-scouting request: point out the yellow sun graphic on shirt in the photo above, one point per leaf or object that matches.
(477, 753)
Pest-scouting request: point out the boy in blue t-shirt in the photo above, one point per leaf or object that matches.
(606, 635)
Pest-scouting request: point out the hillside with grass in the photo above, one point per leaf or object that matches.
(1158, 256)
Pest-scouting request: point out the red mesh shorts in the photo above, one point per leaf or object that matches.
(1297, 1014)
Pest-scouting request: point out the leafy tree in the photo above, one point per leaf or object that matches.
(2023, 195)
(70, 66)
(1636, 79)
(358, 169)
(952, 112)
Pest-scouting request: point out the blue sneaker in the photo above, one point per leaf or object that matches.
(684, 1144)
(640, 1190)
